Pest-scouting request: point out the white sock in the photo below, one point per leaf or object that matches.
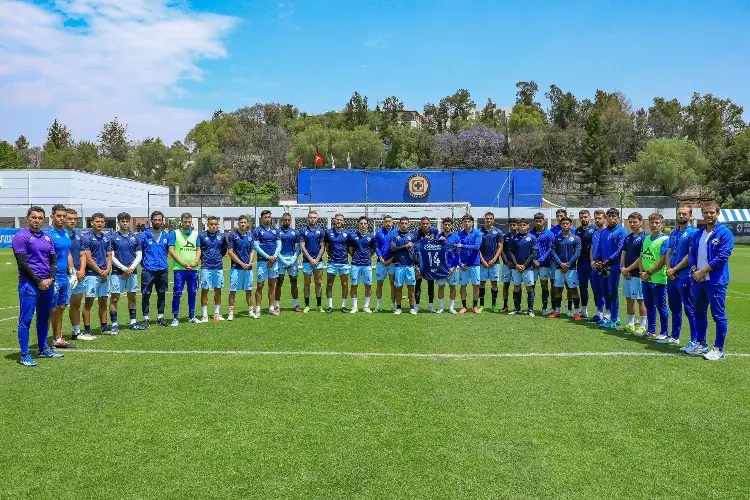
(205, 310)
(557, 309)
(393, 304)
(631, 319)
(585, 309)
(295, 302)
(77, 329)
(231, 309)
(257, 309)
(159, 316)
(276, 303)
(217, 309)
(354, 302)
(330, 302)
(453, 304)
(132, 321)
(367, 301)
(145, 318)
(379, 303)
(442, 303)
(343, 303)
(643, 321)
(115, 324)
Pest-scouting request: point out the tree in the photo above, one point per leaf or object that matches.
(59, 135)
(595, 158)
(526, 93)
(22, 143)
(480, 147)
(733, 177)
(564, 108)
(460, 107)
(10, 158)
(492, 117)
(245, 193)
(430, 114)
(665, 119)
(616, 113)
(669, 165)
(356, 112)
(711, 123)
(525, 117)
(390, 113)
(113, 141)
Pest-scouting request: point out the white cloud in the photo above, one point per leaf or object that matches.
(124, 58)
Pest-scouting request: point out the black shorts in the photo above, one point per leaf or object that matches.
(156, 279)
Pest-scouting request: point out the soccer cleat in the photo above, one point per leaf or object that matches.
(86, 336)
(412, 311)
(554, 315)
(104, 330)
(431, 308)
(651, 335)
(714, 355)
(344, 309)
(115, 329)
(452, 311)
(514, 313)
(306, 309)
(476, 310)
(672, 341)
(324, 310)
(74, 336)
(698, 350)
(273, 311)
(462, 310)
(604, 322)
(397, 311)
(495, 309)
(61, 343)
(546, 312)
(479, 309)
(689, 346)
(204, 319)
(608, 325)
(48, 353)
(136, 326)
(440, 311)
(595, 319)
(175, 322)
(297, 309)
(161, 322)
(27, 361)
(254, 315)
(570, 313)
(662, 339)
(367, 310)
(378, 309)
(353, 310)
(530, 313)
(329, 310)
(577, 317)
(230, 316)
(639, 331)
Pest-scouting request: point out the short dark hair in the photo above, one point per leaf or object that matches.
(360, 219)
(286, 214)
(655, 216)
(599, 211)
(467, 217)
(710, 203)
(566, 219)
(613, 211)
(523, 220)
(636, 215)
(265, 212)
(212, 217)
(425, 218)
(312, 212)
(539, 215)
(36, 209)
(57, 208)
(489, 213)
(156, 213)
(186, 215)
(403, 217)
(561, 211)
(584, 211)
(386, 216)
(98, 215)
(447, 219)
(245, 217)
(513, 220)
(71, 211)
(123, 216)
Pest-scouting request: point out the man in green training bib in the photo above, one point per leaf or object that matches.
(654, 278)
(186, 254)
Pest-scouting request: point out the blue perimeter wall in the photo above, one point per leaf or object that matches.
(481, 188)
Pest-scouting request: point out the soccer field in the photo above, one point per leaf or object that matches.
(377, 405)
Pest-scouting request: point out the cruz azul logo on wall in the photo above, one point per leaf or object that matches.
(418, 186)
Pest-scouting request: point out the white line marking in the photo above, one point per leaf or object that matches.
(388, 354)
(9, 307)
(8, 319)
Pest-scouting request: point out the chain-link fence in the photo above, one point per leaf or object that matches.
(621, 200)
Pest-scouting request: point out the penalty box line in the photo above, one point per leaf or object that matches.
(355, 354)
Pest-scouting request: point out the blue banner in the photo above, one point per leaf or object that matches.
(6, 237)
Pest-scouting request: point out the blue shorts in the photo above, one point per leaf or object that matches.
(118, 284)
(267, 272)
(507, 274)
(632, 288)
(338, 269)
(382, 271)
(212, 278)
(95, 287)
(154, 279)
(404, 275)
(61, 295)
(543, 274)
(80, 288)
(569, 278)
(491, 273)
(470, 275)
(526, 278)
(361, 275)
(307, 268)
(240, 279)
(292, 270)
(451, 280)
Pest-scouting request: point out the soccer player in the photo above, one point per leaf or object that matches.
(384, 267)
(311, 238)
(453, 257)
(126, 255)
(565, 253)
(710, 249)
(79, 266)
(489, 258)
(213, 247)
(61, 289)
(428, 231)
(522, 256)
(585, 232)
(337, 239)
(155, 268)
(598, 281)
(267, 245)
(611, 241)
(653, 274)
(507, 266)
(288, 260)
(362, 248)
(98, 248)
(402, 243)
(37, 268)
(632, 287)
(679, 283)
(186, 256)
(542, 269)
(241, 252)
(471, 241)
(560, 214)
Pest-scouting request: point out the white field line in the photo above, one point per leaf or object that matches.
(8, 319)
(382, 354)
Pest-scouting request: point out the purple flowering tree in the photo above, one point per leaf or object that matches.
(480, 147)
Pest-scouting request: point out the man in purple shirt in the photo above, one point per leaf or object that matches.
(37, 265)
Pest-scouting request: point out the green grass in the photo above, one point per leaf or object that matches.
(117, 425)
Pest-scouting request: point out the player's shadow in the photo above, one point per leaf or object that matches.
(644, 341)
(14, 356)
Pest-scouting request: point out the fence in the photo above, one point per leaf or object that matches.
(622, 200)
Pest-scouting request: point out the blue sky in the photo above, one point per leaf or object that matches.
(162, 66)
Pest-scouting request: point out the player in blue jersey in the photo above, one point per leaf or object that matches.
(679, 284)
(489, 258)
(471, 242)
(428, 231)
(453, 262)
(565, 253)
(242, 254)
(78, 275)
(402, 244)
(522, 256)
(560, 214)
(543, 269)
(632, 287)
(597, 280)
(337, 240)
(98, 248)
(311, 245)
(507, 276)
(288, 260)
(384, 266)
(126, 256)
(184, 248)
(267, 245)
(154, 269)
(586, 233)
(61, 239)
(611, 241)
(213, 245)
(361, 248)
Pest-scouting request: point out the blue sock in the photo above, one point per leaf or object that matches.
(132, 313)
(113, 316)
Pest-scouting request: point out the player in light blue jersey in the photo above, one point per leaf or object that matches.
(77, 285)
(213, 245)
(126, 256)
(288, 260)
(384, 266)
(448, 237)
(337, 239)
(242, 254)
(312, 246)
(267, 246)
(61, 297)
(361, 248)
